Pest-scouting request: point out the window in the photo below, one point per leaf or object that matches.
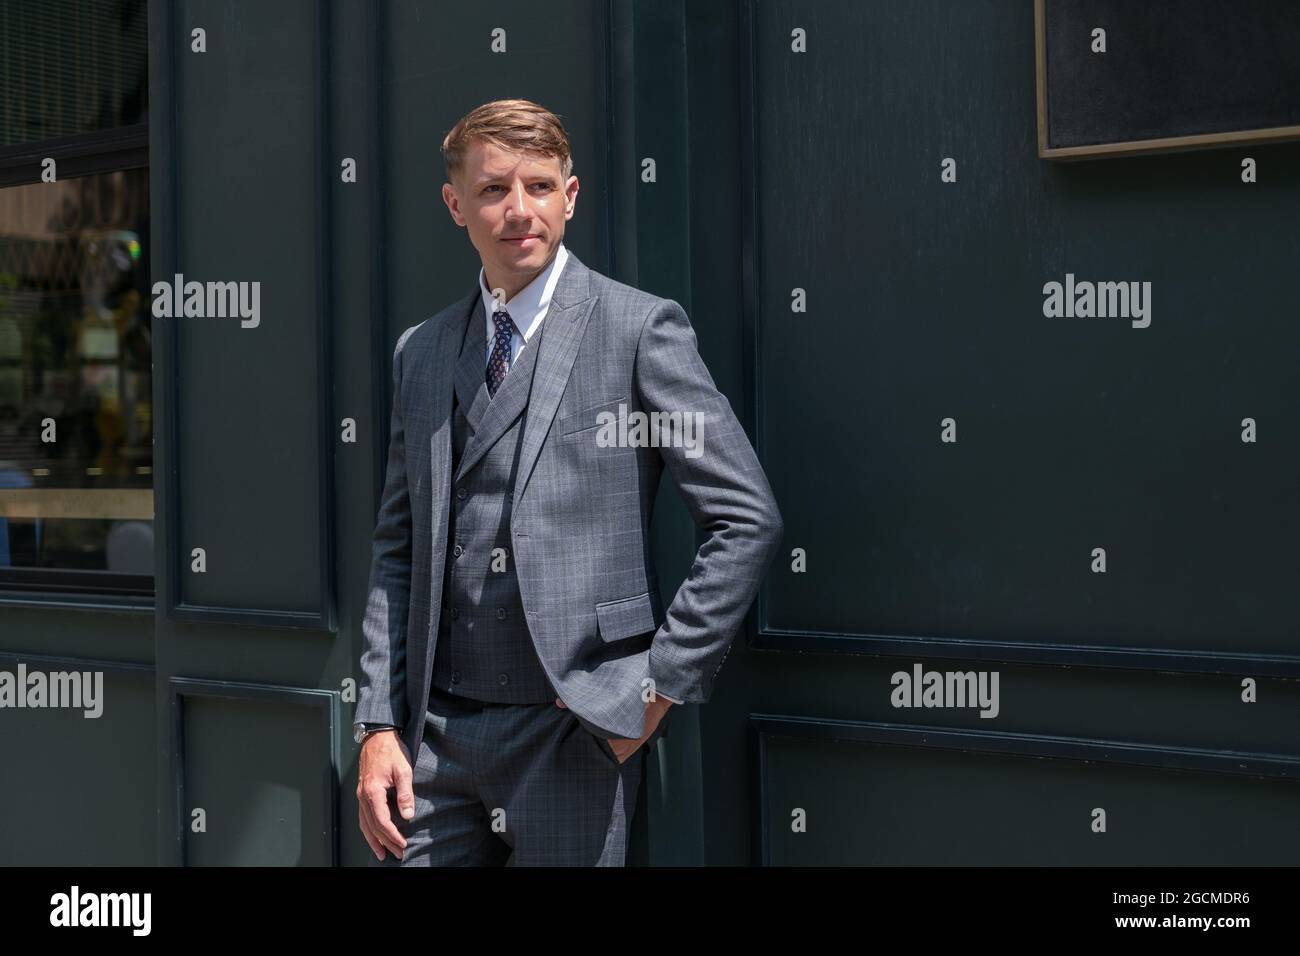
(76, 422)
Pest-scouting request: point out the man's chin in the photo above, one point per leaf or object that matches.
(522, 259)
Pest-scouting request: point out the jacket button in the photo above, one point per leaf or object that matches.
(461, 493)
(501, 614)
(455, 677)
(503, 679)
(458, 551)
(455, 613)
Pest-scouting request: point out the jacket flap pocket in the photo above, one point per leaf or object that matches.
(588, 417)
(626, 617)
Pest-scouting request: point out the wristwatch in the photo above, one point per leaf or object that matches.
(360, 730)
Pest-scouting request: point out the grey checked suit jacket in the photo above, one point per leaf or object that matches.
(580, 521)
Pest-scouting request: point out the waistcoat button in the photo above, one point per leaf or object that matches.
(503, 679)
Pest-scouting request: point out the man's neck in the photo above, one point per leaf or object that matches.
(511, 289)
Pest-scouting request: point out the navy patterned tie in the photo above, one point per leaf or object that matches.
(499, 364)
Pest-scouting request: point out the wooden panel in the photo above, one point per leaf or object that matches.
(80, 790)
(260, 763)
(989, 800)
(250, 457)
(925, 302)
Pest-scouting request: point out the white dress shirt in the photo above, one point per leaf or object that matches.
(527, 308)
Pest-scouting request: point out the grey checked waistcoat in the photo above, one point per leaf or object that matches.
(484, 649)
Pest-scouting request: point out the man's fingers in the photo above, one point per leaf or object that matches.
(381, 838)
(369, 830)
(405, 796)
(623, 757)
(374, 844)
(376, 831)
(388, 834)
(560, 704)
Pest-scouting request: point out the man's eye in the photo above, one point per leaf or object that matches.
(545, 186)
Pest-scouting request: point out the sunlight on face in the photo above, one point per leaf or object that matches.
(515, 207)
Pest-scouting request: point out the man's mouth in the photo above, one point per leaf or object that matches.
(522, 240)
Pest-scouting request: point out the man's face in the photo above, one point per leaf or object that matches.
(515, 208)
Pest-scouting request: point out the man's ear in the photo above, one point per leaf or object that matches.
(451, 198)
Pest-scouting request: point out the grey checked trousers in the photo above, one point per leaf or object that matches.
(515, 785)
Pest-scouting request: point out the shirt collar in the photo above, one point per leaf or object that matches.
(528, 306)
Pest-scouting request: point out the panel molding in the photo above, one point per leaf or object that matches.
(167, 252)
(764, 727)
(381, 369)
(328, 708)
(63, 662)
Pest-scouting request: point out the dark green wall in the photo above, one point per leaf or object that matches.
(1119, 690)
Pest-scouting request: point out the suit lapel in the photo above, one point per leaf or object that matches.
(445, 372)
(566, 321)
(471, 378)
(441, 365)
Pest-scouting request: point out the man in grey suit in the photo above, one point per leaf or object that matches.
(515, 640)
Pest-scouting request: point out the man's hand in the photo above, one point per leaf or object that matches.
(385, 763)
(625, 747)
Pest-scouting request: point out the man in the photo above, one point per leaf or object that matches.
(515, 638)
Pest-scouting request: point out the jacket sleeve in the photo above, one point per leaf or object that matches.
(382, 695)
(728, 496)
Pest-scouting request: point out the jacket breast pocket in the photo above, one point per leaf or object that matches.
(626, 617)
(588, 418)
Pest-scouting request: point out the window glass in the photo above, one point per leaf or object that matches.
(76, 411)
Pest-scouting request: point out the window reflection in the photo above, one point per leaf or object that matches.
(69, 67)
(76, 412)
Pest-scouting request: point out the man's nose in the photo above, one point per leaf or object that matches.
(518, 203)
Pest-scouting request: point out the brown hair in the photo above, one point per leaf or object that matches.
(520, 126)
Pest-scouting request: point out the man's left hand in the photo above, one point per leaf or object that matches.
(625, 747)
